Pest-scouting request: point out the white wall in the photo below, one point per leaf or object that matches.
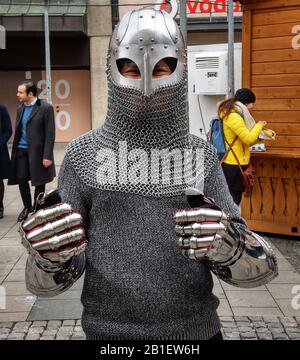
(208, 103)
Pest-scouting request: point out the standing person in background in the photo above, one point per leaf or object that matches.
(238, 137)
(32, 152)
(5, 134)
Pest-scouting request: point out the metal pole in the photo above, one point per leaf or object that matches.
(47, 54)
(230, 19)
(183, 19)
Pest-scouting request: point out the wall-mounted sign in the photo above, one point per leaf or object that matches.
(199, 8)
(71, 102)
(71, 96)
(194, 9)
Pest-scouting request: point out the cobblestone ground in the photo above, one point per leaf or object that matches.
(42, 330)
(233, 328)
(261, 328)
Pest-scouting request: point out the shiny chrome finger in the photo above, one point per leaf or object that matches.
(45, 215)
(194, 242)
(199, 215)
(58, 241)
(54, 228)
(199, 229)
(193, 254)
(66, 254)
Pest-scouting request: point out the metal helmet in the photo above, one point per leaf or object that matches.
(147, 36)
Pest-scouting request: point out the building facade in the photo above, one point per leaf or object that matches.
(79, 37)
(23, 58)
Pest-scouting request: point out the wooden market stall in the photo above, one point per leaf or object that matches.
(271, 68)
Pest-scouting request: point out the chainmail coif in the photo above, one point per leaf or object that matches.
(159, 122)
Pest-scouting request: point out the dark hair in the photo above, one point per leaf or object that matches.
(245, 96)
(226, 106)
(30, 87)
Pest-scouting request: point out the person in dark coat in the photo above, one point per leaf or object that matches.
(5, 134)
(32, 152)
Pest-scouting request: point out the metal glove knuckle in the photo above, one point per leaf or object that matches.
(57, 241)
(45, 215)
(52, 228)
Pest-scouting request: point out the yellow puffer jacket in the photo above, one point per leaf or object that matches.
(234, 125)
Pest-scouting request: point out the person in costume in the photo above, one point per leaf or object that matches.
(117, 212)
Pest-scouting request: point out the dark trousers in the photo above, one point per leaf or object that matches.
(1, 193)
(234, 180)
(23, 176)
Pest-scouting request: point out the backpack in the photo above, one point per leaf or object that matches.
(215, 136)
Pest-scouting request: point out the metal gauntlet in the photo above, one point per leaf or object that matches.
(236, 255)
(55, 240)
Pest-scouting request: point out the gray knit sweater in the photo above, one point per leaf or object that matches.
(137, 285)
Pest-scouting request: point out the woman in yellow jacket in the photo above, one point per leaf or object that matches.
(236, 132)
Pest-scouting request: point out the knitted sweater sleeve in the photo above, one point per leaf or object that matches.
(72, 190)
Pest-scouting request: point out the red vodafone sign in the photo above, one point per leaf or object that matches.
(199, 8)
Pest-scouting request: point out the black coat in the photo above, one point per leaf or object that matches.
(5, 134)
(40, 133)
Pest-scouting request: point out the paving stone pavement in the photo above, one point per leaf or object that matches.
(233, 328)
(290, 249)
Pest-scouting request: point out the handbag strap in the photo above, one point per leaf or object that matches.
(236, 158)
(228, 149)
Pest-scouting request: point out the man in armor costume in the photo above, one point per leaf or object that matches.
(147, 262)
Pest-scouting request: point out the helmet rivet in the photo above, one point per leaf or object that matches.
(176, 50)
(141, 48)
(141, 39)
(152, 39)
(165, 46)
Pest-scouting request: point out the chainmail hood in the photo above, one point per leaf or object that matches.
(147, 122)
(135, 128)
(144, 145)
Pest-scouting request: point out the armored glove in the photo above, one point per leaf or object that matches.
(235, 254)
(54, 233)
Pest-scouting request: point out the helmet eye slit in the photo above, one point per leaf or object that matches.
(164, 67)
(128, 68)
